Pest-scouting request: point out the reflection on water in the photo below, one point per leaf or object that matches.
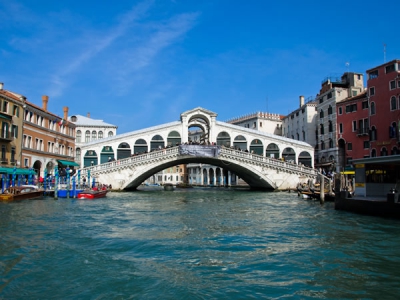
(197, 244)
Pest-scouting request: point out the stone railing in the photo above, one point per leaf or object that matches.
(224, 153)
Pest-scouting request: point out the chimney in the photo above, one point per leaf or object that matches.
(1, 86)
(65, 108)
(301, 101)
(88, 114)
(45, 100)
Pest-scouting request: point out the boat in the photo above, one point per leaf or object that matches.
(168, 187)
(23, 192)
(184, 185)
(72, 193)
(92, 194)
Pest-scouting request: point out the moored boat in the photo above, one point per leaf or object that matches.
(168, 187)
(70, 193)
(23, 192)
(92, 194)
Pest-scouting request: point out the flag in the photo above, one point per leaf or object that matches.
(61, 122)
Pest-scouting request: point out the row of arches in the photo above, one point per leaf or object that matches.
(255, 146)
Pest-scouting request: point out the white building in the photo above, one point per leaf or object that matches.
(88, 130)
(265, 122)
(300, 124)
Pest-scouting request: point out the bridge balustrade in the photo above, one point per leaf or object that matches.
(224, 152)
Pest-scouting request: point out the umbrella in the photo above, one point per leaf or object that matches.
(88, 177)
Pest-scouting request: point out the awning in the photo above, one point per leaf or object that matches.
(68, 163)
(18, 171)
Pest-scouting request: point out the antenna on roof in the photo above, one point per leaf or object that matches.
(384, 53)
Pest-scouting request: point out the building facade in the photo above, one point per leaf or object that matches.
(333, 90)
(48, 140)
(384, 100)
(352, 130)
(88, 130)
(11, 120)
(261, 121)
(300, 124)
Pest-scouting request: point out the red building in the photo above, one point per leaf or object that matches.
(384, 100)
(352, 129)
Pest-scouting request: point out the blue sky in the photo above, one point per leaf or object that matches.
(137, 64)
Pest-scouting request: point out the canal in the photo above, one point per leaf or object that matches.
(195, 244)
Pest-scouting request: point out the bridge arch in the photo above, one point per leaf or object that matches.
(140, 146)
(106, 154)
(173, 139)
(240, 142)
(272, 151)
(289, 155)
(90, 158)
(157, 142)
(224, 139)
(124, 150)
(256, 147)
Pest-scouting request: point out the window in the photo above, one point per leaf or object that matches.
(393, 103)
(329, 110)
(392, 85)
(321, 114)
(373, 74)
(260, 124)
(14, 131)
(330, 126)
(349, 146)
(340, 128)
(372, 91)
(13, 154)
(78, 136)
(373, 134)
(322, 145)
(329, 96)
(100, 134)
(366, 144)
(364, 104)
(26, 162)
(351, 108)
(322, 129)
(340, 110)
(354, 93)
(389, 68)
(3, 153)
(94, 135)
(398, 84)
(330, 143)
(373, 108)
(87, 136)
(110, 134)
(16, 110)
(354, 126)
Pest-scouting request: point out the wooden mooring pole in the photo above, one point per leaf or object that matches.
(322, 189)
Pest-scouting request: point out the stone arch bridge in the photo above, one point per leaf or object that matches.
(263, 160)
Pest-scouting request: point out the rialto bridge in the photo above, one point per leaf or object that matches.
(263, 160)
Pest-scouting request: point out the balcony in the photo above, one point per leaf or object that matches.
(362, 131)
(4, 161)
(6, 137)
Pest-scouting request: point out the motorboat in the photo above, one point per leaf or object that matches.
(23, 192)
(68, 193)
(92, 194)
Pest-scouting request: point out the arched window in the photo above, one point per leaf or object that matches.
(322, 145)
(384, 151)
(322, 129)
(330, 110)
(78, 154)
(321, 114)
(373, 153)
(373, 134)
(393, 104)
(373, 108)
(78, 136)
(110, 134)
(87, 136)
(94, 135)
(330, 143)
(100, 134)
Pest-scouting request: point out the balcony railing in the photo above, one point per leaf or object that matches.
(4, 161)
(362, 131)
(6, 136)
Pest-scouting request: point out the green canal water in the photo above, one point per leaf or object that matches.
(195, 244)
